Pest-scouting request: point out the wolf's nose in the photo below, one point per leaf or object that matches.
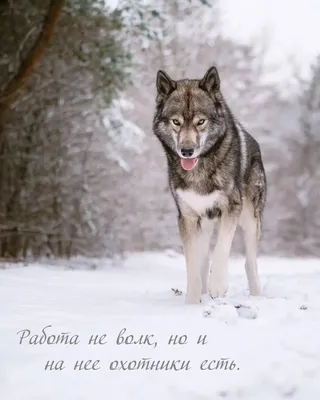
(187, 152)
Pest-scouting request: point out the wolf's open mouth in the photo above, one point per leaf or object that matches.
(188, 163)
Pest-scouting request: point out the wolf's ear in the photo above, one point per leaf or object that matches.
(165, 85)
(211, 81)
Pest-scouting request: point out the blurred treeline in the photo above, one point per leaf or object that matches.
(81, 173)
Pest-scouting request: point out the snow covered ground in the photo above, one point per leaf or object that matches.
(271, 345)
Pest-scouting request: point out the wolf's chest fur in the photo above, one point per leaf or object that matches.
(201, 204)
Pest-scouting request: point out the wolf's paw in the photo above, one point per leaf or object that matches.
(193, 298)
(255, 289)
(218, 288)
(205, 298)
(193, 293)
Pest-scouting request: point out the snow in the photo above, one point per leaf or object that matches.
(273, 340)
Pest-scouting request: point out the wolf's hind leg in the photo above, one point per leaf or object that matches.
(251, 227)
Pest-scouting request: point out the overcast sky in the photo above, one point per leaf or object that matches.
(292, 26)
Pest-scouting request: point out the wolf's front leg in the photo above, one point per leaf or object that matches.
(218, 282)
(195, 234)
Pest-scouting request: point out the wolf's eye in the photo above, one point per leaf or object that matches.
(176, 122)
(201, 121)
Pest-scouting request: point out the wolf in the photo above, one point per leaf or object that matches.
(216, 176)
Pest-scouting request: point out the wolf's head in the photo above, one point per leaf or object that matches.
(190, 115)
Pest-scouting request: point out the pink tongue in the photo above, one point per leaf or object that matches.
(188, 163)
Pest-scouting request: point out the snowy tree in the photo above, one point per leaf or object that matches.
(66, 121)
(298, 175)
